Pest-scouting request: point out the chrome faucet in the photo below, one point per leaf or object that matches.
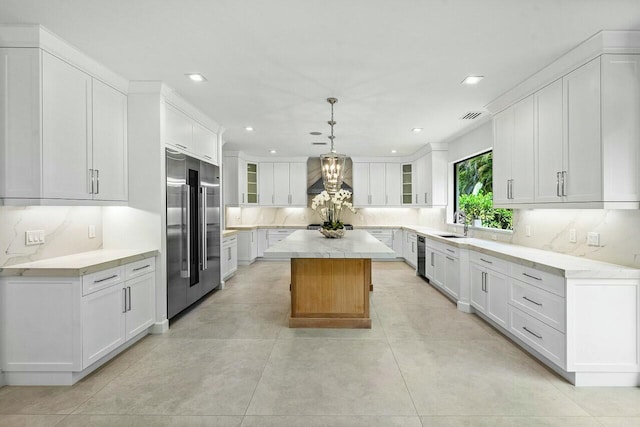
(460, 216)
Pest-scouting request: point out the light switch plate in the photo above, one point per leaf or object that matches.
(527, 230)
(34, 237)
(573, 235)
(593, 238)
(92, 231)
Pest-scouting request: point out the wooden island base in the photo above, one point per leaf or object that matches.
(330, 293)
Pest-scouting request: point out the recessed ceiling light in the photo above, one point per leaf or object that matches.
(394, 151)
(273, 151)
(248, 128)
(315, 133)
(196, 77)
(416, 130)
(472, 80)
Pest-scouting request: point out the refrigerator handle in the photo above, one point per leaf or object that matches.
(204, 228)
(185, 262)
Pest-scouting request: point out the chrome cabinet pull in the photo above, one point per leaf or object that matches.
(416, 199)
(558, 184)
(450, 259)
(532, 333)
(204, 227)
(124, 300)
(451, 250)
(142, 268)
(484, 260)
(185, 263)
(97, 181)
(242, 197)
(564, 182)
(533, 277)
(532, 301)
(508, 195)
(91, 179)
(129, 294)
(105, 279)
(432, 263)
(425, 198)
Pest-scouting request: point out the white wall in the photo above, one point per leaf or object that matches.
(619, 229)
(65, 227)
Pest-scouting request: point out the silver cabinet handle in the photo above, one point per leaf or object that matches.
(185, 263)
(105, 279)
(482, 282)
(533, 277)
(532, 301)
(272, 199)
(425, 198)
(450, 259)
(242, 197)
(412, 249)
(416, 199)
(204, 227)
(124, 300)
(432, 262)
(564, 183)
(142, 268)
(508, 193)
(451, 250)
(484, 260)
(386, 199)
(97, 181)
(91, 180)
(229, 255)
(129, 294)
(258, 199)
(532, 333)
(558, 184)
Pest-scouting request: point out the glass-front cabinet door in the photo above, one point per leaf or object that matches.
(252, 183)
(407, 184)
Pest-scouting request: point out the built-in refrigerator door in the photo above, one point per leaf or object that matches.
(210, 221)
(195, 289)
(177, 233)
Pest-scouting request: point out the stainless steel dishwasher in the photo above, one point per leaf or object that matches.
(422, 255)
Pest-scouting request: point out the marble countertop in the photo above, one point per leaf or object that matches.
(78, 264)
(272, 226)
(227, 233)
(312, 244)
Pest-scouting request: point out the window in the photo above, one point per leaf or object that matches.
(474, 192)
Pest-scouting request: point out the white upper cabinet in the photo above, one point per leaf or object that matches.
(513, 154)
(186, 134)
(393, 184)
(548, 143)
(430, 179)
(109, 143)
(377, 182)
(281, 184)
(65, 134)
(66, 131)
(361, 184)
(266, 195)
(582, 175)
(369, 184)
(298, 183)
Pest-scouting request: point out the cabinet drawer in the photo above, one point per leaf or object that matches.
(139, 268)
(543, 305)
(543, 338)
(285, 231)
(229, 240)
(101, 280)
(541, 279)
(489, 261)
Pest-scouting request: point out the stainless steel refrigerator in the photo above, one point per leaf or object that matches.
(193, 230)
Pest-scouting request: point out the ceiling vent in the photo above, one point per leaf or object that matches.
(318, 143)
(471, 115)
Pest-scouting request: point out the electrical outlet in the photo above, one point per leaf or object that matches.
(92, 231)
(593, 238)
(573, 235)
(527, 230)
(34, 237)
(494, 237)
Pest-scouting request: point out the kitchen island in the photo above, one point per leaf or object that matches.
(330, 278)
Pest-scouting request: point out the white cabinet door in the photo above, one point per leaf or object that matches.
(438, 191)
(141, 304)
(66, 130)
(452, 275)
(254, 244)
(178, 129)
(263, 241)
(205, 143)
(393, 184)
(266, 184)
(413, 255)
(502, 143)
(281, 195)
(439, 268)
(430, 264)
(420, 178)
(233, 260)
(478, 293)
(20, 147)
(522, 152)
(225, 257)
(361, 184)
(398, 243)
(548, 143)
(377, 196)
(109, 142)
(583, 159)
(103, 323)
(298, 183)
(621, 126)
(408, 171)
(497, 286)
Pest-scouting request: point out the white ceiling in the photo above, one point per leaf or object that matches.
(393, 64)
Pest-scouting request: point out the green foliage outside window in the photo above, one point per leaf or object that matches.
(474, 178)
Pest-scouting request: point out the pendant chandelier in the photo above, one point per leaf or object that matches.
(332, 164)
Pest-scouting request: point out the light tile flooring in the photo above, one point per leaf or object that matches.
(233, 361)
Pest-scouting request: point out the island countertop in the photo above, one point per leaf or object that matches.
(312, 244)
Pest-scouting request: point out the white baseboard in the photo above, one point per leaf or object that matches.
(465, 307)
(159, 328)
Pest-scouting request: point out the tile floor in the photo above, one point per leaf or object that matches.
(232, 361)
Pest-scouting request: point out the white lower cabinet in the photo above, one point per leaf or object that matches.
(410, 248)
(263, 241)
(443, 266)
(229, 259)
(55, 329)
(452, 274)
(247, 246)
(490, 289)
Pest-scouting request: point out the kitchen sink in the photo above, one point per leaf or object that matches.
(451, 236)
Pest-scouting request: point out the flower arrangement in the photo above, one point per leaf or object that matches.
(330, 208)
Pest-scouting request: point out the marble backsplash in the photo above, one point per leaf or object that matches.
(65, 227)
